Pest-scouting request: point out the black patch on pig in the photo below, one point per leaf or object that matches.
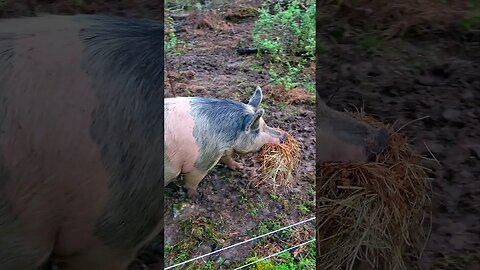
(6, 65)
(8, 220)
(218, 124)
(124, 58)
(6, 57)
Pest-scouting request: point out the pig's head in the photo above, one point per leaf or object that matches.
(340, 137)
(256, 133)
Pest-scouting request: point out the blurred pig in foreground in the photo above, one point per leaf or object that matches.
(81, 141)
(200, 132)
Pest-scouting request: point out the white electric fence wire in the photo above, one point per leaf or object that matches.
(240, 243)
(275, 254)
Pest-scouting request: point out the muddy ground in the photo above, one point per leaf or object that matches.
(230, 207)
(404, 80)
(132, 8)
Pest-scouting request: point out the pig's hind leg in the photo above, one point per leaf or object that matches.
(17, 250)
(231, 163)
(192, 179)
(20, 256)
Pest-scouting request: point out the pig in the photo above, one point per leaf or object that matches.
(80, 141)
(342, 138)
(200, 132)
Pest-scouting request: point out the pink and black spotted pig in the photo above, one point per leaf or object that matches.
(200, 132)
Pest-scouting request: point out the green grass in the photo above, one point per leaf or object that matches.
(273, 196)
(179, 252)
(310, 86)
(195, 231)
(268, 226)
(254, 211)
(285, 261)
(304, 209)
(256, 67)
(243, 199)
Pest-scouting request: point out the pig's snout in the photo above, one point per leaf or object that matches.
(378, 145)
(276, 136)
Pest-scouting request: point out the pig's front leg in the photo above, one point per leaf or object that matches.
(232, 164)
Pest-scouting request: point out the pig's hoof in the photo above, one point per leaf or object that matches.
(235, 165)
(193, 195)
(194, 199)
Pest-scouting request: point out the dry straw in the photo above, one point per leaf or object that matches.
(279, 162)
(371, 215)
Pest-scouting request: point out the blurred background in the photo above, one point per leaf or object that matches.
(131, 8)
(403, 60)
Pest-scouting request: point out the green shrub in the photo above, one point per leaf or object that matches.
(171, 40)
(287, 36)
(285, 31)
(471, 22)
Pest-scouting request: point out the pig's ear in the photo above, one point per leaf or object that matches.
(256, 99)
(252, 120)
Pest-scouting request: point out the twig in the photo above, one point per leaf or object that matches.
(434, 158)
(332, 96)
(181, 30)
(410, 122)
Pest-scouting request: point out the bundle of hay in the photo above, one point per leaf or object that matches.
(370, 215)
(279, 162)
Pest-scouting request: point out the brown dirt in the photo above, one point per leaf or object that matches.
(208, 20)
(407, 79)
(397, 18)
(227, 199)
(131, 8)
